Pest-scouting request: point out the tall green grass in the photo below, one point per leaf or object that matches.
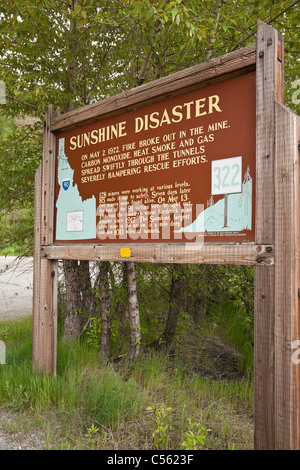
(236, 327)
(83, 384)
(110, 402)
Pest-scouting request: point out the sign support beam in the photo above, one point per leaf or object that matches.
(287, 281)
(269, 86)
(44, 340)
(243, 254)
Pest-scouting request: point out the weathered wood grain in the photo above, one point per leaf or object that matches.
(48, 181)
(269, 86)
(45, 271)
(264, 281)
(234, 63)
(286, 322)
(296, 336)
(36, 267)
(44, 312)
(247, 254)
(47, 344)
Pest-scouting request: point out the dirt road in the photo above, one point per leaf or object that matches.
(16, 301)
(13, 438)
(16, 284)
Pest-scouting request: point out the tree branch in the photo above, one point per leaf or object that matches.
(215, 27)
(22, 102)
(272, 20)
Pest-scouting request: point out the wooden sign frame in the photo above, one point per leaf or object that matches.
(274, 255)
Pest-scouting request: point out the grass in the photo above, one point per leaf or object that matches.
(159, 402)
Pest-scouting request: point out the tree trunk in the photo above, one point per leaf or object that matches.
(122, 310)
(73, 317)
(167, 337)
(174, 308)
(105, 308)
(197, 310)
(88, 299)
(133, 313)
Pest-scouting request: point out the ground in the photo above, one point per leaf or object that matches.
(15, 301)
(11, 436)
(16, 284)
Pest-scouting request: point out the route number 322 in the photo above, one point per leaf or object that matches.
(226, 176)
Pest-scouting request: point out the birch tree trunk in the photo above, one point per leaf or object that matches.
(105, 308)
(122, 310)
(73, 317)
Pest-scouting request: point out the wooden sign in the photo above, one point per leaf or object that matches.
(179, 170)
(201, 166)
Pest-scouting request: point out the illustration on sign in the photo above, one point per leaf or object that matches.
(75, 219)
(171, 171)
(234, 211)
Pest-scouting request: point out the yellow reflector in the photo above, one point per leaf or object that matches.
(125, 252)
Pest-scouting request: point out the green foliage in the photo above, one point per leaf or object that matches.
(76, 389)
(6, 125)
(216, 300)
(153, 285)
(91, 433)
(73, 53)
(162, 427)
(59, 52)
(20, 151)
(235, 325)
(69, 54)
(195, 436)
(94, 333)
(95, 405)
(16, 233)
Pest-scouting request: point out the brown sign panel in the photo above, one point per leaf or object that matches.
(179, 170)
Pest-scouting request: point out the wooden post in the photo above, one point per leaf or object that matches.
(287, 280)
(277, 330)
(44, 332)
(297, 282)
(269, 86)
(36, 267)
